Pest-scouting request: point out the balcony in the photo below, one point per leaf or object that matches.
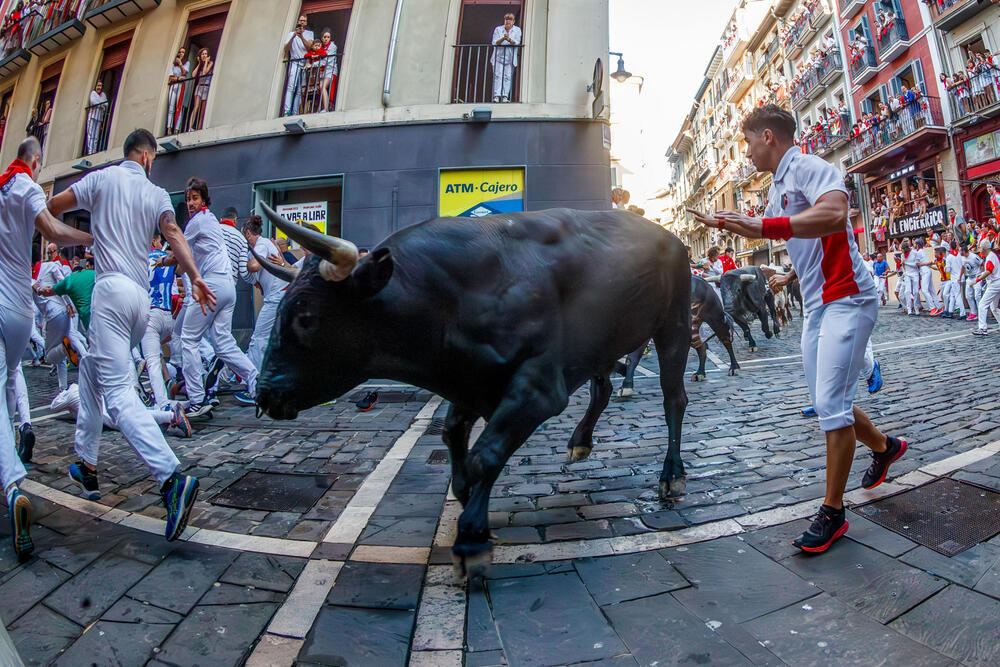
(745, 173)
(863, 66)
(820, 16)
(850, 8)
(57, 37)
(110, 13)
(805, 89)
(734, 43)
(739, 84)
(14, 62)
(893, 42)
(911, 132)
(826, 141)
(830, 68)
(774, 48)
(967, 108)
(96, 128)
(310, 85)
(947, 14)
(185, 103)
(474, 79)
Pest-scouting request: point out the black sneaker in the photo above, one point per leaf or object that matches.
(875, 475)
(213, 376)
(194, 410)
(26, 445)
(828, 525)
(368, 401)
(86, 479)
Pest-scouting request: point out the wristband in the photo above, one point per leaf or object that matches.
(776, 228)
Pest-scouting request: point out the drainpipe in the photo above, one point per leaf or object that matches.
(392, 54)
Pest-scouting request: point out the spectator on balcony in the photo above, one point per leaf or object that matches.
(330, 69)
(311, 77)
(984, 77)
(297, 43)
(506, 39)
(175, 93)
(202, 81)
(96, 115)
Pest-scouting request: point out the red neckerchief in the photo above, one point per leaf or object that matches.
(906, 254)
(16, 167)
(227, 221)
(953, 252)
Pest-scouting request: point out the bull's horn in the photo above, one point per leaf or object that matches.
(712, 279)
(747, 278)
(339, 255)
(288, 275)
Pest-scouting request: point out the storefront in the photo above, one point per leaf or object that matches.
(754, 252)
(902, 201)
(977, 150)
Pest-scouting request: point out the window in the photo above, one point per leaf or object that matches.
(41, 115)
(484, 72)
(315, 200)
(910, 76)
(101, 102)
(192, 69)
(310, 84)
(4, 111)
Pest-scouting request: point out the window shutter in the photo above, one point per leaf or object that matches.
(207, 20)
(115, 55)
(316, 6)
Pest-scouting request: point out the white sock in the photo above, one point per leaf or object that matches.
(10, 494)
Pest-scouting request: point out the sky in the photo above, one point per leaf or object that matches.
(669, 43)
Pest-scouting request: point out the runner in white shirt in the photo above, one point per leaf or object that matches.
(126, 208)
(204, 234)
(272, 287)
(973, 290)
(953, 265)
(22, 211)
(925, 263)
(62, 339)
(807, 206)
(990, 300)
(911, 274)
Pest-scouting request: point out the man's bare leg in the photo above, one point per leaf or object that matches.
(840, 454)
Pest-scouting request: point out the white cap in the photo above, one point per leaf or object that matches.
(985, 244)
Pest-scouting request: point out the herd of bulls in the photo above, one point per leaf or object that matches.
(505, 317)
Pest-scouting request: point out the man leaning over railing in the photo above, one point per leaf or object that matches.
(506, 38)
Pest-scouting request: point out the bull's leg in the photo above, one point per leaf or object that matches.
(537, 392)
(634, 357)
(582, 441)
(745, 328)
(672, 343)
(769, 303)
(762, 316)
(702, 357)
(725, 335)
(457, 426)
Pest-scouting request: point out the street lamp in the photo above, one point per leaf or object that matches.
(621, 75)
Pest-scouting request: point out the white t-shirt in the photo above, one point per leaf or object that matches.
(928, 257)
(21, 201)
(829, 268)
(208, 245)
(270, 285)
(953, 264)
(298, 50)
(125, 209)
(992, 264)
(49, 273)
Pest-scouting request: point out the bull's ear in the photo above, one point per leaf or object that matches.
(373, 273)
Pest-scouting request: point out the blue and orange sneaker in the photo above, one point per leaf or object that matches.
(179, 493)
(19, 509)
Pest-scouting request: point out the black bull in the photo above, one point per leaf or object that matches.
(744, 294)
(504, 316)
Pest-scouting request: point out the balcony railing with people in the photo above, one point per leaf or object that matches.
(310, 84)
(973, 92)
(947, 14)
(875, 132)
(892, 36)
(186, 103)
(486, 73)
(802, 86)
(862, 59)
(819, 140)
(23, 25)
(96, 128)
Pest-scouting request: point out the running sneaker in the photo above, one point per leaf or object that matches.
(20, 524)
(70, 352)
(179, 425)
(368, 401)
(875, 475)
(26, 444)
(179, 493)
(194, 410)
(827, 526)
(213, 375)
(213, 400)
(86, 479)
(979, 332)
(176, 389)
(875, 379)
(245, 398)
(808, 412)
(971, 318)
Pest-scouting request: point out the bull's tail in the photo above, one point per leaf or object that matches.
(732, 324)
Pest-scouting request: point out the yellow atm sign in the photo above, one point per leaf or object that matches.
(473, 193)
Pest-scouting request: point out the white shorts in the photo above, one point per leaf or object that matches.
(834, 337)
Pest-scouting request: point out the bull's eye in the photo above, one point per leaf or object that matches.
(305, 324)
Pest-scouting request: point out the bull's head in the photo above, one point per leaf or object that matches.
(319, 347)
(732, 285)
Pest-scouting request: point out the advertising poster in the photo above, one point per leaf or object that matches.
(473, 193)
(979, 150)
(312, 212)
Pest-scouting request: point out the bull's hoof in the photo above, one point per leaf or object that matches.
(698, 377)
(472, 566)
(734, 371)
(672, 488)
(578, 453)
(768, 335)
(753, 348)
(625, 392)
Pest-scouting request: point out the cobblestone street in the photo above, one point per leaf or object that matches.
(325, 540)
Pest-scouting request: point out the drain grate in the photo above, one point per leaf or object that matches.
(438, 457)
(436, 427)
(945, 515)
(275, 492)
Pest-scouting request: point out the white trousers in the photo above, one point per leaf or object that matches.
(954, 302)
(881, 287)
(927, 288)
(17, 398)
(176, 351)
(989, 301)
(119, 315)
(912, 298)
(293, 89)
(502, 77)
(834, 338)
(159, 329)
(869, 362)
(973, 293)
(14, 332)
(217, 325)
(262, 329)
